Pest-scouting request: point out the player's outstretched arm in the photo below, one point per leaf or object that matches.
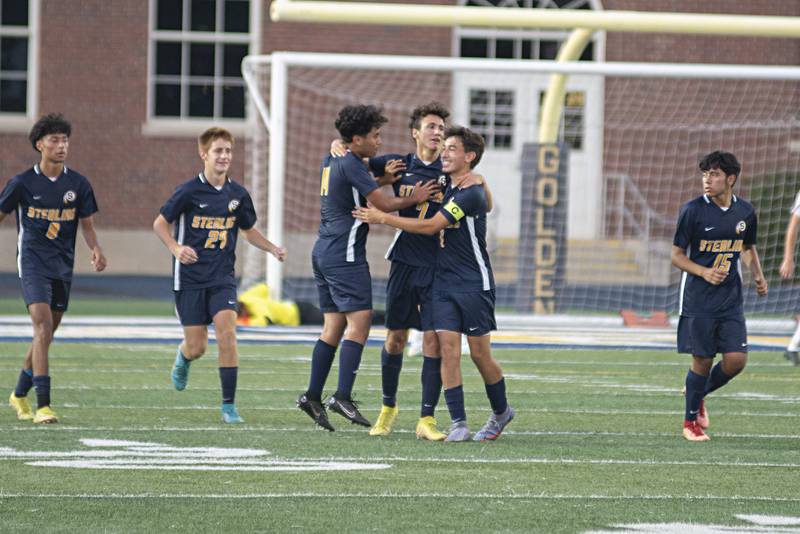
(479, 179)
(750, 257)
(90, 236)
(709, 274)
(384, 202)
(184, 254)
(2, 215)
(416, 226)
(787, 265)
(257, 239)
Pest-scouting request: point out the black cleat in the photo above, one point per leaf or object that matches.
(792, 356)
(348, 409)
(315, 411)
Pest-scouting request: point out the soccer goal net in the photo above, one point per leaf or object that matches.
(631, 136)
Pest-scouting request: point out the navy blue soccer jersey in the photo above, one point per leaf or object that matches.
(344, 184)
(47, 219)
(714, 237)
(413, 249)
(462, 263)
(208, 219)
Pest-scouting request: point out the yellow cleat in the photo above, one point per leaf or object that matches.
(45, 416)
(383, 426)
(22, 406)
(426, 429)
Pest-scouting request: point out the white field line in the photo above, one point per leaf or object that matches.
(631, 390)
(290, 408)
(264, 428)
(409, 360)
(422, 495)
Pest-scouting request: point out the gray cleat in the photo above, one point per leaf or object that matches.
(459, 431)
(494, 426)
(792, 356)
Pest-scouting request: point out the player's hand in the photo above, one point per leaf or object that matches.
(338, 148)
(787, 268)
(98, 259)
(714, 276)
(423, 192)
(369, 215)
(280, 253)
(393, 170)
(472, 179)
(185, 255)
(761, 285)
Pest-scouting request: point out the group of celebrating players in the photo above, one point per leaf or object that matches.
(440, 280)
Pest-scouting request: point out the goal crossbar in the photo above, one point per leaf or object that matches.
(478, 16)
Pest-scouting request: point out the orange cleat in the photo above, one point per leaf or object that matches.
(693, 432)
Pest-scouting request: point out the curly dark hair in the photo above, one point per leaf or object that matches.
(52, 123)
(431, 108)
(472, 141)
(725, 161)
(358, 120)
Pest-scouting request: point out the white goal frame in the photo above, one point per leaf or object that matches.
(274, 115)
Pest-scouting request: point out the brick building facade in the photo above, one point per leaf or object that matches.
(95, 61)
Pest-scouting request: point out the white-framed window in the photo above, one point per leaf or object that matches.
(491, 114)
(571, 128)
(18, 61)
(196, 49)
(502, 43)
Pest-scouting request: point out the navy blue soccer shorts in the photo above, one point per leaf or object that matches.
(469, 313)
(708, 336)
(409, 294)
(342, 289)
(52, 291)
(197, 307)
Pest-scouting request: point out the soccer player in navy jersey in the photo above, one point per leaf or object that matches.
(464, 290)
(208, 213)
(339, 261)
(718, 229)
(49, 201)
(410, 286)
(413, 257)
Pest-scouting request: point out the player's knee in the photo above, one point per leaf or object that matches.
(733, 367)
(43, 331)
(396, 341)
(195, 349)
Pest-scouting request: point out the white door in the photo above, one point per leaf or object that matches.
(505, 109)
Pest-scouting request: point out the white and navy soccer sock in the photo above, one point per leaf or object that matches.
(431, 378)
(455, 403)
(391, 365)
(24, 383)
(695, 391)
(227, 378)
(716, 379)
(42, 385)
(497, 396)
(349, 361)
(321, 362)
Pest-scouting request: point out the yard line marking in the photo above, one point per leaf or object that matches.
(264, 428)
(632, 390)
(384, 495)
(290, 408)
